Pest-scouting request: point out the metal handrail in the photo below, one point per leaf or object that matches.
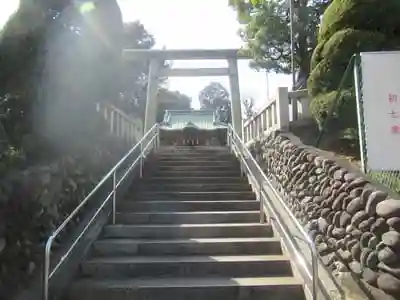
(241, 152)
(150, 139)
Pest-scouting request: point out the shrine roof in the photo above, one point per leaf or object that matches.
(198, 119)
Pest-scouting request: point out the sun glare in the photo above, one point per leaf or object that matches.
(86, 7)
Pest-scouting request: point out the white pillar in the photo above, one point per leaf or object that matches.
(112, 121)
(295, 111)
(118, 124)
(304, 107)
(270, 116)
(123, 123)
(282, 108)
(235, 95)
(131, 133)
(151, 101)
(105, 113)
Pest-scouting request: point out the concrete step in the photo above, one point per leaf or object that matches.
(191, 246)
(196, 157)
(175, 206)
(188, 230)
(188, 266)
(192, 179)
(200, 167)
(198, 217)
(194, 163)
(204, 172)
(182, 231)
(191, 196)
(209, 288)
(193, 187)
(193, 149)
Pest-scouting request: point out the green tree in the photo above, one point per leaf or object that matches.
(135, 78)
(214, 96)
(172, 100)
(34, 80)
(266, 32)
(135, 73)
(54, 67)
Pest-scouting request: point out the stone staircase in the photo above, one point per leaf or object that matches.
(189, 230)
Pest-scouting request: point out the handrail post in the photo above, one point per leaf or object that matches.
(114, 198)
(314, 266)
(263, 181)
(48, 273)
(46, 268)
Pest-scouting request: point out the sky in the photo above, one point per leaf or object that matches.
(194, 24)
(201, 24)
(6, 10)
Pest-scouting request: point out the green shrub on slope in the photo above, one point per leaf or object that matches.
(349, 27)
(370, 15)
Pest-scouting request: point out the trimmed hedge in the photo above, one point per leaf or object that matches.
(321, 104)
(344, 43)
(336, 54)
(349, 27)
(370, 15)
(316, 56)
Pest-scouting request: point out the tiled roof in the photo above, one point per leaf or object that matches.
(180, 119)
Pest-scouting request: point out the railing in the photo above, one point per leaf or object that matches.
(288, 106)
(121, 124)
(132, 159)
(264, 188)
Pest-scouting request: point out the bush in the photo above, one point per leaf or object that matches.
(316, 56)
(370, 15)
(336, 54)
(50, 81)
(346, 118)
(321, 79)
(348, 27)
(345, 43)
(34, 200)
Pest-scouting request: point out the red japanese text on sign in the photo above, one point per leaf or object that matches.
(396, 129)
(392, 98)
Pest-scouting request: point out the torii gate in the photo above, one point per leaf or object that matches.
(156, 57)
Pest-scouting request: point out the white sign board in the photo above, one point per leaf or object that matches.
(380, 94)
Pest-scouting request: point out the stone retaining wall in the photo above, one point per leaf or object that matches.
(355, 225)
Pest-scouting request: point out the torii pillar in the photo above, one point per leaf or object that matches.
(235, 96)
(151, 99)
(157, 56)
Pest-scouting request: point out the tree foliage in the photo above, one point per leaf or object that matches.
(172, 100)
(54, 68)
(135, 78)
(266, 32)
(134, 74)
(348, 27)
(214, 96)
(35, 82)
